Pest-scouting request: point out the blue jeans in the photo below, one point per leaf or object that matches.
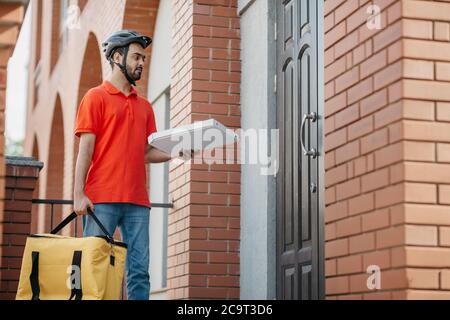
(133, 221)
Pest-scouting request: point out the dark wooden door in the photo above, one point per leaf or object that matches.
(300, 192)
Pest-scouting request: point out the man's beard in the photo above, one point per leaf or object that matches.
(136, 75)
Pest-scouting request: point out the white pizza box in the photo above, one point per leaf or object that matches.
(199, 136)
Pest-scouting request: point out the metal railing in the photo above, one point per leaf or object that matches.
(53, 202)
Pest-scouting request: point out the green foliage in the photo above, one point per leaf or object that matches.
(13, 147)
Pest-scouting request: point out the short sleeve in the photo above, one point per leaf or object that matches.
(89, 114)
(151, 123)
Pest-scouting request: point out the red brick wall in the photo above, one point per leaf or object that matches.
(4, 57)
(15, 223)
(363, 149)
(387, 151)
(426, 147)
(204, 226)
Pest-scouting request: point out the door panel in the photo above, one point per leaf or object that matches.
(299, 182)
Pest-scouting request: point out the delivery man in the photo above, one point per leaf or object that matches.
(113, 124)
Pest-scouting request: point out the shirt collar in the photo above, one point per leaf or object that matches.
(113, 90)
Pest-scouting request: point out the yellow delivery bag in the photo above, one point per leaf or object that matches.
(64, 268)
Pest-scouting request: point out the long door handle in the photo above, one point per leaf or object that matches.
(313, 152)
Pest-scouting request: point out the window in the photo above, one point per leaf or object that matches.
(159, 193)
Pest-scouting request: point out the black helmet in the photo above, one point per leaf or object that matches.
(122, 39)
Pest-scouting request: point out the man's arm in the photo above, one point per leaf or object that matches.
(153, 155)
(86, 150)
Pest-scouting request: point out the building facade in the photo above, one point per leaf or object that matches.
(355, 93)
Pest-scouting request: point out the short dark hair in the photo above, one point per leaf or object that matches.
(120, 50)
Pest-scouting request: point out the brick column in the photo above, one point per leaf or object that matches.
(425, 214)
(364, 180)
(15, 221)
(388, 149)
(5, 53)
(204, 226)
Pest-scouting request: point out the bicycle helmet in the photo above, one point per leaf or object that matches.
(123, 39)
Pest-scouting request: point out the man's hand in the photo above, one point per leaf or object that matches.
(81, 203)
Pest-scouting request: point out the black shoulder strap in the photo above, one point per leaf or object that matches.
(64, 223)
(34, 276)
(73, 215)
(76, 293)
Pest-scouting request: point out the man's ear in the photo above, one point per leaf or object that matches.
(117, 57)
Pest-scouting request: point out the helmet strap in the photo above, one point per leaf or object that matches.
(123, 67)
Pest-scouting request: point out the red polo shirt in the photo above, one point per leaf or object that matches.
(122, 125)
